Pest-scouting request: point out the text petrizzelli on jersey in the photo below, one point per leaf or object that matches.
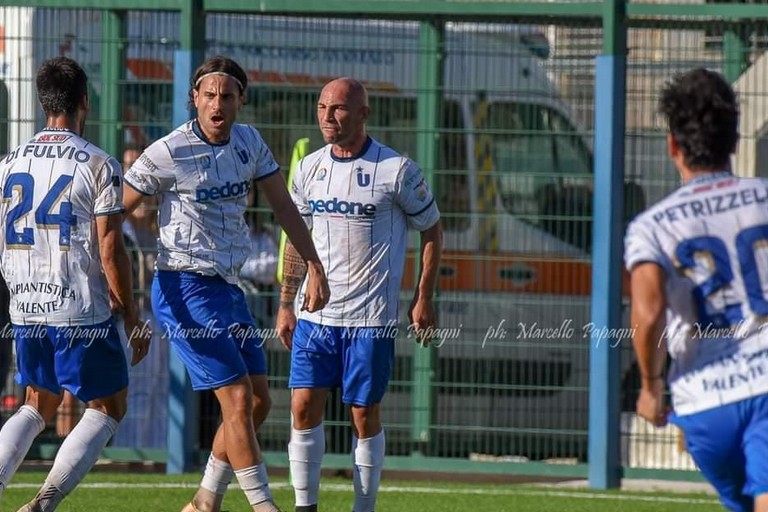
(712, 205)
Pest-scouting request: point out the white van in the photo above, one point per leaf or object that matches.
(513, 180)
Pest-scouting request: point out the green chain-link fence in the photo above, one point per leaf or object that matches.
(511, 164)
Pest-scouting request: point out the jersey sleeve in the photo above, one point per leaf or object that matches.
(266, 165)
(641, 245)
(3, 212)
(413, 195)
(299, 193)
(153, 171)
(109, 188)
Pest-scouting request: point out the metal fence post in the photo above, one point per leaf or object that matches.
(182, 401)
(429, 98)
(604, 377)
(112, 71)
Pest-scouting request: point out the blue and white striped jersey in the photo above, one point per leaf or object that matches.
(203, 191)
(53, 188)
(711, 238)
(359, 210)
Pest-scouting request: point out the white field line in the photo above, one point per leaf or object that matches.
(410, 489)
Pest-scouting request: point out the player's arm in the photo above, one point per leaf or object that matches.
(116, 263)
(422, 310)
(294, 271)
(648, 318)
(132, 198)
(108, 210)
(300, 245)
(431, 252)
(413, 195)
(152, 173)
(117, 269)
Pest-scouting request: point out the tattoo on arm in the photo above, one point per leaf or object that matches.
(294, 271)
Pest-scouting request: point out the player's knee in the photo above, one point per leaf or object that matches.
(305, 416)
(114, 406)
(263, 402)
(48, 410)
(117, 411)
(261, 407)
(236, 400)
(46, 403)
(306, 413)
(366, 421)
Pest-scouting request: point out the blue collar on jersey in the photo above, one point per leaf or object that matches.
(199, 133)
(368, 142)
(709, 176)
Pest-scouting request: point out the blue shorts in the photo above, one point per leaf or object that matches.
(208, 323)
(88, 361)
(359, 359)
(730, 446)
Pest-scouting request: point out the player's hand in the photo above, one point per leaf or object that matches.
(317, 293)
(650, 403)
(421, 315)
(139, 337)
(285, 325)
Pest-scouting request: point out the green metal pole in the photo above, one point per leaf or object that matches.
(735, 59)
(112, 71)
(615, 27)
(428, 116)
(182, 400)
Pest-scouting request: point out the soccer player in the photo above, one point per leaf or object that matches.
(62, 255)
(359, 197)
(202, 173)
(699, 274)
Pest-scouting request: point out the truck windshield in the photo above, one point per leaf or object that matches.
(542, 168)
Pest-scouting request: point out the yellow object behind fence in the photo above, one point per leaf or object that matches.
(300, 150)
(486, 199)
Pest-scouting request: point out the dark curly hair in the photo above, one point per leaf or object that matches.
(61, 86)
(217, 64)
(703, 117)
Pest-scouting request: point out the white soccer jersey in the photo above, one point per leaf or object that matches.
(359, 210)
(204, 190)
(711, 238)
(53, 188)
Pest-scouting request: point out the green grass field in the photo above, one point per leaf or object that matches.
(102, 492)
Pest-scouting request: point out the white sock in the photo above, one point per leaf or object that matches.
(15, 439)
(218, 474)
(368, 456)
(255, 483)
(77, 455)
(305, 455)
(355, 472)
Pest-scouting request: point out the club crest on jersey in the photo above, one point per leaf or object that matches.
(421, 190)
(242, 154)
(205, 162)
(321, 174)
(363, 178)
